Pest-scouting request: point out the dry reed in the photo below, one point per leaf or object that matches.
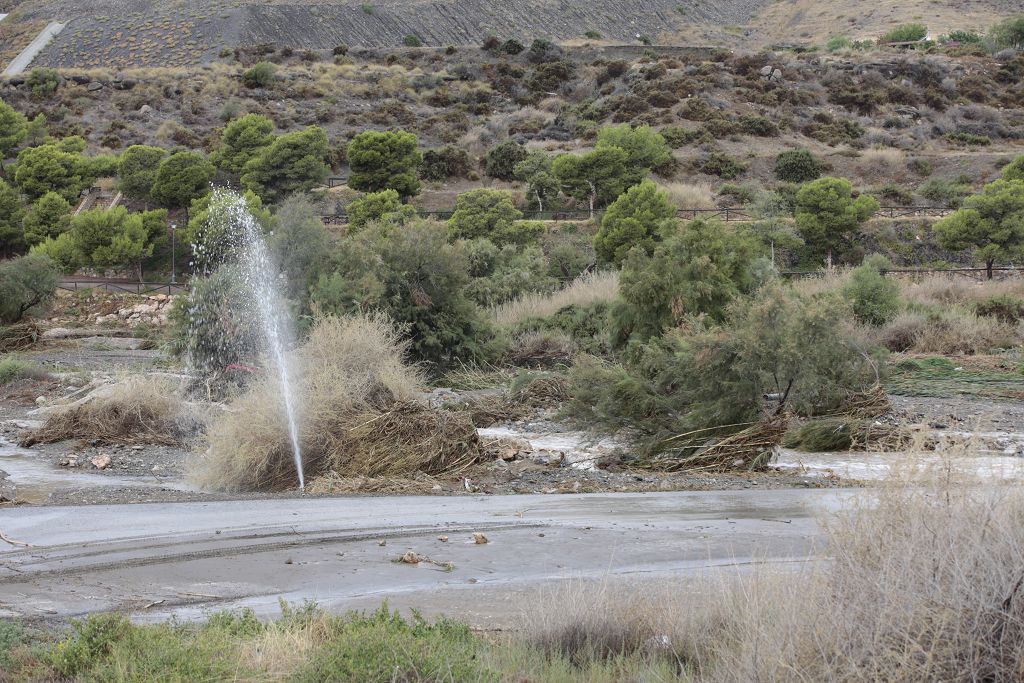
(586, 289)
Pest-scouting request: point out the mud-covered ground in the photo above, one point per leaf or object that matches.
(529, 456)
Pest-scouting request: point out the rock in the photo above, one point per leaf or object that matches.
(480, 539)
(8, 491)
(40, 400)
(101, 462)
(766, 70)
(410, 558)
(95, 86)
(145, 109)
(777, 75)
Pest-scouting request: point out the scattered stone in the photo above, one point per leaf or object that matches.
(443, 539)
(480, 539)
(101, 462)
(410, 558)
(382, 542)
(95, 86)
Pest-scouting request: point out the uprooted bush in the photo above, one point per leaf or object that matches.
(360, 414)
(677, 395)
(137, 410)
(845, 434)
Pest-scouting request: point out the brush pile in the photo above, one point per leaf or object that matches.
(18, 336)
(833, 434)
(137, 410)
(751, 449)
(361, 414)
(528, 393)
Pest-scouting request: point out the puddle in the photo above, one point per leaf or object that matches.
(35, 479)
(998, 454)
(878, 466)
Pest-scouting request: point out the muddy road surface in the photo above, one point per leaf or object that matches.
(186, 559)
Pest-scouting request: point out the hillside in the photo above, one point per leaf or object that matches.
(119, 33)
(125, 33)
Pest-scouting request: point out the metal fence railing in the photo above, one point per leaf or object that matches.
(122, 286)
(723, 213)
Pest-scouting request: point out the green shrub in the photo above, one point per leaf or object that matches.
(511, 47)
(964, 138)
(444, 163)
(490, 214)
(1006, 308)
(836, 43)
(384, 206)
(722, 165)
(905, 33)
(12, 635)
(593, 35)
(259, 76)
(586, 325)
(761, 126)
(415, 276)
(639, 218)
(874, 298)
(412, 40)
(678, 137)
(43, 81)
(503, 273)
(698, 271)
(945, 193)
(501, 160)
(27, 283)
(11, 369)
(798, 166)
(1008, 33)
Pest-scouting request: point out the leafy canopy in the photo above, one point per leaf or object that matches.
(640, 218)
(385, 160)
(294, 162)
(991, 222)
(828, 215)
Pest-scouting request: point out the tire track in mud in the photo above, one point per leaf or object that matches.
(37, 557)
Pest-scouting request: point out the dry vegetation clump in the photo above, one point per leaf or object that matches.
(18, 336)
(136, 410)
(586, 289)
(952, 330)
(923, 582)
(942, 290)
(691, 195)
(360, 414)
(527, 393)
(832, 434)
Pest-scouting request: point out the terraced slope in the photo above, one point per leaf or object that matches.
(120, 33)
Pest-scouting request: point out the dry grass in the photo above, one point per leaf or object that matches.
(924, 583)
(359, 410)
(881, 162)
(136, 410)
(942, 290)
(690, 195)
(952, 330)
(586, 289)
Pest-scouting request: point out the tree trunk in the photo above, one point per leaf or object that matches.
(593, 198)
(988, 269)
